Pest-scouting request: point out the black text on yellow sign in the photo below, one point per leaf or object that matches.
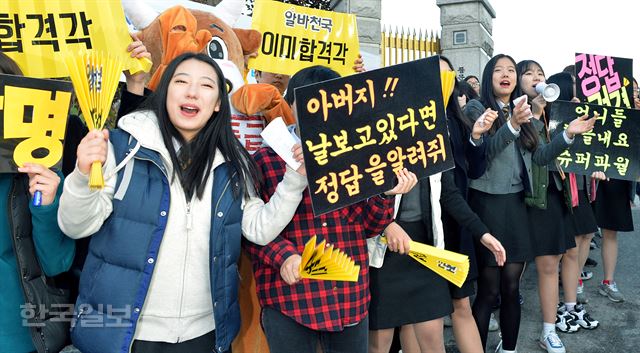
(33, 117)
(37, 34)
(359, 131)
(295, 37)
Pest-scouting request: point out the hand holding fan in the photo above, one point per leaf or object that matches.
(325, 262)
(452, 266)
(95, 76)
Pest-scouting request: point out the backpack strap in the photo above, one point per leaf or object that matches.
(124, 147)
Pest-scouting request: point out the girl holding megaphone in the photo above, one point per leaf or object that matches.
(498, 195)
(552, 234)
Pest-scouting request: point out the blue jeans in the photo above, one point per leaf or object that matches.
(285, 335)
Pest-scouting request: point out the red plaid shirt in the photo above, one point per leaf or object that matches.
(317, 304)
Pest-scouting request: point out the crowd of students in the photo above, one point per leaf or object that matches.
(160, 273)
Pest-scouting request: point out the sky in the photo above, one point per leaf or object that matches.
(547, 31)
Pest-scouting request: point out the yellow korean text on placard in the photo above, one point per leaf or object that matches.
(37, 118)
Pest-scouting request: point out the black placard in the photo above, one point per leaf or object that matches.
(612, 147)
(358, 129)
(604, 80)
(33, 120)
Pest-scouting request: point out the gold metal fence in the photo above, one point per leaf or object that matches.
(407, 44)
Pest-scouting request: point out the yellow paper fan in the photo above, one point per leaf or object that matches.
(327, 263)
(450, 265)
(448, 80)
(95, 76)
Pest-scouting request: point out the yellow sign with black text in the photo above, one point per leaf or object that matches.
(37, 34)
(296, 37)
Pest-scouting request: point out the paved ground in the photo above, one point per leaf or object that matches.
(619, 329)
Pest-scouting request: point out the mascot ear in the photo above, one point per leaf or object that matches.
(249, 39)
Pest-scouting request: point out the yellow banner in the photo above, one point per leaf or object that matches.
(296, 37)
(33, 115)
(37, 33)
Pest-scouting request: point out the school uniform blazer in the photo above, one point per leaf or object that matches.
(497, 178)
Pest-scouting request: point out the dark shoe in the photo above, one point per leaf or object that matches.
(591, 262)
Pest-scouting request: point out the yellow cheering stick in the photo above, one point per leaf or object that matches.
(452, 266)
(327, 263)
(95, 76)
(448, 81)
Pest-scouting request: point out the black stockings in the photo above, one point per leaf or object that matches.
(503, 281)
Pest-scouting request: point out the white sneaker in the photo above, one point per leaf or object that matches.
(565, 322)
(500, 350)
(493, 323)
(581, 296)
(551, 343)
(582, 318)
(611, 291)
(586, 275)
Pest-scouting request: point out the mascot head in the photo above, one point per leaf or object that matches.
(178, 30)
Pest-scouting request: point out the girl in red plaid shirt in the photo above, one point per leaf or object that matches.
(300, 314)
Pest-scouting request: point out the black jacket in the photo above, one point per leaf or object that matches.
(40, 293)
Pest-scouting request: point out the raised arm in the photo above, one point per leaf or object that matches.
(497, 142)
(263, 221)
(82, 211)
(53, 249)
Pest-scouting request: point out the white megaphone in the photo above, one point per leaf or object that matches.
(550, 92)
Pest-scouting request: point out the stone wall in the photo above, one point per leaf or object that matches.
(476, 18)
(368, 18)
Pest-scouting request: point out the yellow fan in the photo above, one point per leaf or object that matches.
(326, 263)
(452, 266)
(448, 80)
(95, 76)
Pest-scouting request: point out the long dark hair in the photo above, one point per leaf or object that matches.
(453, 108)
(528, 136)
(467, 91)
(522, 67)
(564, 80)
(307, 76)
(467, 78)
(8, 66)
(201, 150)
